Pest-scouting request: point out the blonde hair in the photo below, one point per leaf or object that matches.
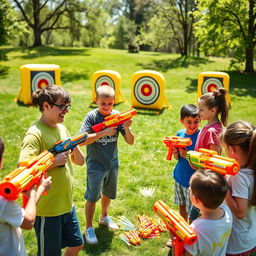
(105, 91)
(217, 99)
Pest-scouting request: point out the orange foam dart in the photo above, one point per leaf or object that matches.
(175, 142)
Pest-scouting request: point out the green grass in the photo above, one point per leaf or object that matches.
(143, 164)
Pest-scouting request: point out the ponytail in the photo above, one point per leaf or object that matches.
(217, 99)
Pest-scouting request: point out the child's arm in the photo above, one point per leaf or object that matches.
(77, 156)
(187, 253)
(238, 206)
(129, 137)
(215, 148)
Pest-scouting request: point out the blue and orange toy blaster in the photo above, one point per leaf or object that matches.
(209, 159)
(114, 120)
(182, 232)
(26, 176)
(68, 144)
(175, 142)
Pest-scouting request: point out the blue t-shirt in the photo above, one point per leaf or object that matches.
(103, 153)
(182, 171)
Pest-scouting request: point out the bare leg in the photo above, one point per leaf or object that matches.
(105, 203)
(183, 212)
(73, 251)
(89, 213)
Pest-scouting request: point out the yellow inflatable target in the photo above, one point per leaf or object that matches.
(110, 78)
(209, 81)
(148, 90)
(36, 76)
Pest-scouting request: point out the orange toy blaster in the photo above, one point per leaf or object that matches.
(114, 120)
(26, 176)
(180, 229)
(175, 142)
(209, 159)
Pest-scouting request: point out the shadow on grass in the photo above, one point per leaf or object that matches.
(241, 84)
(37, 52)
(73, 76)
(4, 70)
(105, 237)
(167, 64)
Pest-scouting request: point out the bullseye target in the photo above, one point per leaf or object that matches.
(104, 80)
(146, 90)
(41, 79)
(211, 83)
(36, 76)
(110, 78)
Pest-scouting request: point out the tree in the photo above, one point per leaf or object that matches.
(44, 16)
(228, 28)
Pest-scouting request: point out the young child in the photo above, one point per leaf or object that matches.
(208, 190)
(102, 162)
(56, 223)
(13, 217)
(239, 141)
(211, 105)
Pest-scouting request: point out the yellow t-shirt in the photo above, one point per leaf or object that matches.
(41, 137)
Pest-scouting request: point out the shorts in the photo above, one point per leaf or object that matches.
(55, 233)
(98, 182)
(194, 213)
(181, 196)
(247, 253)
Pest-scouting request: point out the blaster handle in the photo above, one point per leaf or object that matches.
(169, 155)
(98, 127)
(178, 246)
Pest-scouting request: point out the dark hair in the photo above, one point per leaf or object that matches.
(209, 187)
(50, 94)
(1, 148)
(243, 134)
(189, 110)
(217, 99)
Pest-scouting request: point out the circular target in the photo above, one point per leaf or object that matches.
(211, 84)
(104, 80)
(146, 90)
(41, 80)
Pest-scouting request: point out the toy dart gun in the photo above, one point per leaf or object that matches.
(175, 142)
(180, 229)
(68, 144)
(26, 176)
(114, 120)
(209, 159)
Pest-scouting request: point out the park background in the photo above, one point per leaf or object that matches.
(115, 39)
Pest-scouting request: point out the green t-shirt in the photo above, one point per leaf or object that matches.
(41, 137)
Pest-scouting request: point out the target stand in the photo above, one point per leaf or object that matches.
(36, 76)
(148, 90)
(209, 81)
(110, 78)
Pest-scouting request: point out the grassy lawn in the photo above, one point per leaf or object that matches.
(143, 164)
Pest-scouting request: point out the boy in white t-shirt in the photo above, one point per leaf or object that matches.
(207, 191)
(13, 217)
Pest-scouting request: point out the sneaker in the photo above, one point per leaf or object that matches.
(90, 236)
(107, 221)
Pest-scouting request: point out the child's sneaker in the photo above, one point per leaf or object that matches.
(107, 221)
(90, 236)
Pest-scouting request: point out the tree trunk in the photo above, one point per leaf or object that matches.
(249, 68)
(37, 37)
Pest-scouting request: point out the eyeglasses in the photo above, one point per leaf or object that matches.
(62, 107)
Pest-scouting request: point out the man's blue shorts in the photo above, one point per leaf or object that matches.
(55, 233)
(98, 182)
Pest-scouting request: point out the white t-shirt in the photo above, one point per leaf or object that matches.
(243, 234)
(212, 235)
(11, 217)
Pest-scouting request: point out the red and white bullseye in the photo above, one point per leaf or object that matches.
(104, 80)
(211, 84)
(41, 80)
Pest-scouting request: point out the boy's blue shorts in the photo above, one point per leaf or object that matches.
(55, 233)
(98, 182)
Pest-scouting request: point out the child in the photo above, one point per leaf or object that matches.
(56, 223)
(210, 106)
(102, 162)
(13, 217)
(239, 140)
(208, 190)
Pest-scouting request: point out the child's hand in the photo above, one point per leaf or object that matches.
(183, 152)
(175, 153)
(127, 123)
(61, 158)
(30, 193)
(110, 131)
(45, 183)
